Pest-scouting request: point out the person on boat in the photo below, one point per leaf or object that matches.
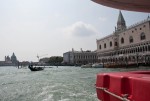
(30, 65)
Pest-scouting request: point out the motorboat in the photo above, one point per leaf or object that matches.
(87, 66)
(97, 65)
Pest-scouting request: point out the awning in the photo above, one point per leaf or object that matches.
(131, 5)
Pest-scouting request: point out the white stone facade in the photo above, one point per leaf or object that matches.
(80, 57)
(125, 42)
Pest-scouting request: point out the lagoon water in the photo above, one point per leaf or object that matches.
(51, 84)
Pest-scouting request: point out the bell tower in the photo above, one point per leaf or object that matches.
(121, 24)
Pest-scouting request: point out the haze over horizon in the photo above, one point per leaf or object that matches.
(31, 27)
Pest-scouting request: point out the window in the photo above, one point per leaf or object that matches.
(116, 44)
(122, 40)
(104, 45)
(110, 43)
(148, 47)
(99, 46)
(131, 39)
(143, 37)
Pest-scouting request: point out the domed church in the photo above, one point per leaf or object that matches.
(14, 59)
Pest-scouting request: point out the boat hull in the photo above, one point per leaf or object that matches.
(87, 66)
(97, 66)
(36, 68)
(132, 86)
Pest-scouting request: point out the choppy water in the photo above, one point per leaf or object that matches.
(51, 84)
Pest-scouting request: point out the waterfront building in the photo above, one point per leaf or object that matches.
(126, 44)
(80, 57)
(7, 59)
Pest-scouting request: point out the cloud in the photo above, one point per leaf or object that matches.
(102, 19)
(80, 29)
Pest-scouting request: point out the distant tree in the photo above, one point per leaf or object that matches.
(55, 60)
(45, 60)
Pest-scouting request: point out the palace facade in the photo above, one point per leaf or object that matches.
(126, 44)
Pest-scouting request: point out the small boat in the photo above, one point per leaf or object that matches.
(123, 86)
(87, 66)
(97, 65)
(35, 68)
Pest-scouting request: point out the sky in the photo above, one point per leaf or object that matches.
(52, 27)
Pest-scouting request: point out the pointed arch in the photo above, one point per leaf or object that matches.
(131, 39)
(99, 46)
(110, 43)
(143, 36)
(122, 40)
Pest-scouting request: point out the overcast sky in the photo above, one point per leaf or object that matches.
(31, 27)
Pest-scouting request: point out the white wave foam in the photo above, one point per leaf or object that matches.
(49, 98)
(64, 100)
